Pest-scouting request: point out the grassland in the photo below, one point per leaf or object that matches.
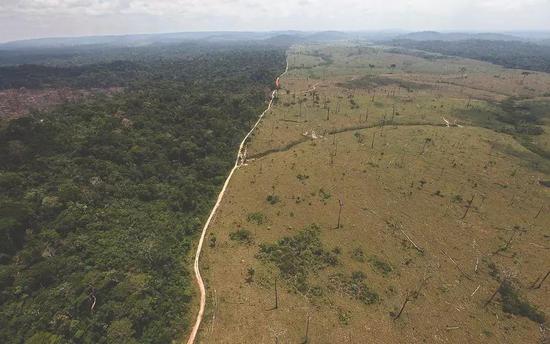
(434, 220)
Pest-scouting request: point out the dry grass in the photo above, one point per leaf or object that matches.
(403, 233)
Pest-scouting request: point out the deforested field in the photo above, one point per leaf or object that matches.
(388, 197)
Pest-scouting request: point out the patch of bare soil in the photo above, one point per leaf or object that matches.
(15, 103)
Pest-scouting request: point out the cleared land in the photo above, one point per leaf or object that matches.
(434, 219)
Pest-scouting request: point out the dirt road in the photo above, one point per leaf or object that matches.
(241, 157)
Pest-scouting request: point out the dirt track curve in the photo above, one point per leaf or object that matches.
(241, 157)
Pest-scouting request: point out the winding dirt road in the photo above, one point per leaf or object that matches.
(241, 157)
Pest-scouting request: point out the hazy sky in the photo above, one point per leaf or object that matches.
(44, 18)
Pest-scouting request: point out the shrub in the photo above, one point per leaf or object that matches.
(257, 218)
(273, 199)
(250, 275)
(358, 255)
(355, 287)
(243, 236)
(297, 256)
(457, 198)
(302, 177)
(324, 194)
(380, 265)
(212, 240)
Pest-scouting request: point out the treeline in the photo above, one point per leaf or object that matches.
(118, 73)
(150, 52)
(100, 201)
(125, 73)
(510, 54)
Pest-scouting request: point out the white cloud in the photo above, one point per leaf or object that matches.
(74, 17)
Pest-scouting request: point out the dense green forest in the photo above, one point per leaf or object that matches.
(79, 55)
(510, 54)
(101, 200)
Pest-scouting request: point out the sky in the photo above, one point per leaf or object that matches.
(22, 19)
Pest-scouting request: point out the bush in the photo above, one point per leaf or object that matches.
(273, 199)
(250, 275)
(324, 194)
(257, 218)
(358, 255)
(355, 287)
(302, 177)
(242, 235)
(380, 265)
(297, 256)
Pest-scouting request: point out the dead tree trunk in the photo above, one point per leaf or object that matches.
(468, 207)
(402, 308)
(507, 245)
(538, 284)
(494, 294)
(276, 295)
(306, 337)
(339, 212)
(413, 295)
(540, 211)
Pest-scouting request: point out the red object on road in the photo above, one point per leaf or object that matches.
(278, 83)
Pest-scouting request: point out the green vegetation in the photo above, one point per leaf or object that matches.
(379, 265)
(354, 286)
(324, 194)
(101, 200)
(273, 199)
(523, 119)
(512, 116)
(372, 82)
(243, 236)
(511, 54)
(358, 255)
(250, 272)
(298, 256)
(302, 177)
(344, 316)
(257, 218)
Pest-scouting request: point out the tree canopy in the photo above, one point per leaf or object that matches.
(100, 200)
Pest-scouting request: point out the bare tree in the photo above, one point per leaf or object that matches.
(538, 282)
(426, 141)
(468, 207)
(412, 295)
(339, 212)
(306, 337)
(276, 295)
(495, 293)
(540, 210)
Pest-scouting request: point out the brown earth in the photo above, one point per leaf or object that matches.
(435, 215)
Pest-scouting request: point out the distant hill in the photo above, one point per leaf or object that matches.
(134, 40)
(141, 40)
(276, 37)
(457, 36)
(285, 39)
(329, 36)
(510, 54)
